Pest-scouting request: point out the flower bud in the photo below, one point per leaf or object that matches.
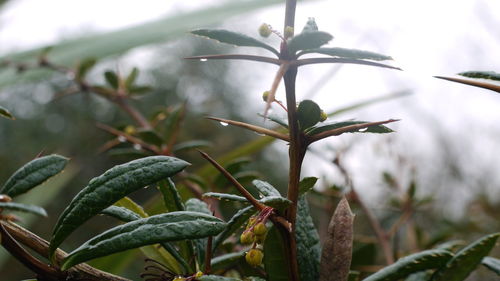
(129, 130)
(251, 221)
(265, 95)
(254, 257)
(323, 116)
(288, 32)
(259, 239)
(179, 278)
(198, 274)
(247, 237)
(260, 229)
(265, 30)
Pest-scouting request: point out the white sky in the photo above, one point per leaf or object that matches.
(426, 38)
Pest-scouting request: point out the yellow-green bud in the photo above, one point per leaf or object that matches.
(198, 274)
(254, 257)
(251, 221)
(288, 32)
(260, 229)
(179, 278)
(259, 239)
(129, 130)
(265, 30)
(323, 116)
(265, 95)
(247, 237)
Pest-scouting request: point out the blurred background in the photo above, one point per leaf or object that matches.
(445, 146)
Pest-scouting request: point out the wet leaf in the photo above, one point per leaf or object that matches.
(111, 78)
(307, 184)
(239, 219)
(348, 54)
(308, 245)
(121, 213)
(489, 75)
(171, 196)
(492, 263)
(275, 261)
(23, 208)
(265, 188)
(308, 40)
(379, 129)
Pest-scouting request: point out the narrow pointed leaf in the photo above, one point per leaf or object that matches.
(84, 67)
(308, 245)
(277, 202)
(310, 25)
(33, 174)
(227, 261)
(155, 229)
(348, 54)
(307, 184)
(379, 129)
(226, 197)
(4, 112)
(420, 276)
(23, 208)
(200, 245)
(489, 75)
(424, 260)
(308, 113)
(129, 82)
(466, 260)
(492, 263)
(129, 204)
(111, 78)
(121, 213)
(105, 190)
(308, 40)
(233, 38)
(275, 261)
(238, 219)
(265, 188)
(171, 196)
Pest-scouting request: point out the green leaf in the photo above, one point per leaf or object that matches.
(111, 78)
(275, 261)
(195, 144)
(129, 204)
(119, 41)
(33, 174)
(307, 184)
(217, 278)
(308, 114)
(130, 80)
(379, 129)
(353, 276)
(171, 196)
(308, 40)
(200, 245)
(150, 136)
(160, 228)
(420, 276)
(227, 261)
(121, 213)
(110, 187)
(265, 188)
(492, 263)
(466, 260)
(276, 202)
(23, 208)
(139, 90)
(410, 264)
(239, 219)
(308, 245)
(490, 75)
(172, 122)
(226, 197)
(233, 38)
(348, 54)
(4, 112)
(84, 67)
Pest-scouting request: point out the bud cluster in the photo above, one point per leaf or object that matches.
(189, 278)
(255, 233)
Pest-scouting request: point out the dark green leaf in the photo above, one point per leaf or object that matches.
(23, 208)
(492, 263)
(121, 213)
(108, 188)
(139, 90)
(111, 78)
(308, 40)
(217, 278)
(227, 261)
(466, 260)
(195, 144)
(160, 228)
(4, 112)
(490, 75)
(150, 136)
(129, 82)
(171, 196)
(308, 114)
(33, 174)
(233, 38)
(172, 122)
(275, 261)
(348, 54)
(307, 184)
(451, 246)
(265, 188)
(200, 245)
(276, 202)
(353, 276)
(225, 197)
(429, 259)
(420, 276)
(84, 67)
(308, 245)
(379, 129)
(239, 219)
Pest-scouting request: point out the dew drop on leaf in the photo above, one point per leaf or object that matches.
(224, 124)
(122, 139)
(137, 146)
(203, 59)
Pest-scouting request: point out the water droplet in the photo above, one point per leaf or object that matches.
(203, 59)
(122, 139)
(363, 130)
(137, 146)
(224, 124)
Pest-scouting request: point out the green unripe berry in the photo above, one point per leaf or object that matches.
(254, 257)
(260, 229)
(323, 116)
(247, 237)
(265, 30)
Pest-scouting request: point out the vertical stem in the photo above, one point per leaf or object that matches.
(296, 149)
